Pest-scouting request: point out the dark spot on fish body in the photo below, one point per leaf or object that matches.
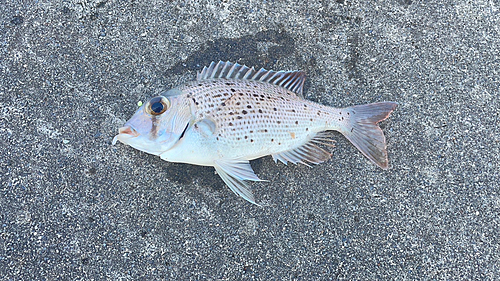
(251, 140)
(230, 84)
(239, 117)
(279, 122)
(260, 110)
(223, 104)
(244, 112)
(296, 122)
(275, 109)
(238, 103)
(233, 90)
(272, 140)
(249, 106)
(246, 137)
(230, 124)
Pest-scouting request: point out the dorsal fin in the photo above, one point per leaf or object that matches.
(290, 80)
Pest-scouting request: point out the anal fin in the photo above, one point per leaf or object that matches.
(234, 173)
(309, 153)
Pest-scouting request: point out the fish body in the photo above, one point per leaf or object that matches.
(232, 114)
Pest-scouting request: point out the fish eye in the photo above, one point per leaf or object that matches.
(157, 105)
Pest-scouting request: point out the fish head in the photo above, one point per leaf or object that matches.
(155, 127)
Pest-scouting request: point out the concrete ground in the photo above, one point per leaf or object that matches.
(74, 207)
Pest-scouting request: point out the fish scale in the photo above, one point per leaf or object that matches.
(258, 116)
(232, 114)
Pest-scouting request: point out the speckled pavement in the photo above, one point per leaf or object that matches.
(74, 207)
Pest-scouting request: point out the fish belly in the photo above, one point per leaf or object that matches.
(193, 148)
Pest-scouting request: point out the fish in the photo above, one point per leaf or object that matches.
(232, 114)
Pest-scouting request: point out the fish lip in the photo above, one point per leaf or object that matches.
(128, 130)
(125, 132)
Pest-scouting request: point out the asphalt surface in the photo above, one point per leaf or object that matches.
(74, 207)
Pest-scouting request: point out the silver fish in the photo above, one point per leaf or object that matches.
(232, 114)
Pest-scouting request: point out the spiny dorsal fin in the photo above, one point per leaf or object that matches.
(290, 80)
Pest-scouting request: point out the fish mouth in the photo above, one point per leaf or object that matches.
(125, 132)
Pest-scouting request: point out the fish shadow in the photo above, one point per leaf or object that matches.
(263, 49)
(186, 174)
(206, 177)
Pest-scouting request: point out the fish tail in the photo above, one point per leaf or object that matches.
(362, 130)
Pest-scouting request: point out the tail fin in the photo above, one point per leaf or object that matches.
(365, 134)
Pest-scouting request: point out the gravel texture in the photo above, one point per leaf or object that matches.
(74, 207)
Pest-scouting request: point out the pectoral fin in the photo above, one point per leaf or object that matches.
(206, 127)
(234, 173)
